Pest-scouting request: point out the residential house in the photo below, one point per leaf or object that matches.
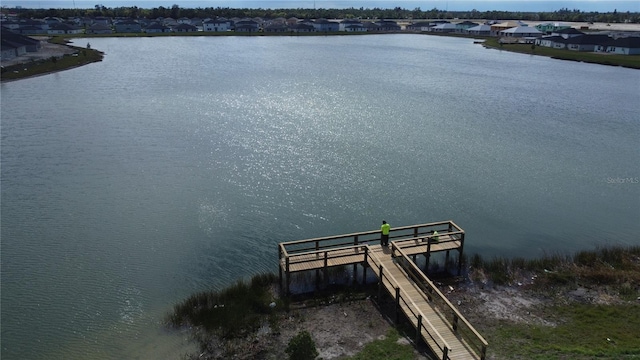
(99, 29)
(292, 21)
(418, 26)
(14, 44)
(324, 25)
(622, 46)
(355, 28)
(496, 28)
(181, 28)
(102, 20)
(61, 29)
(157, 28)
(549, 28)
(276, 28)
(586, 43)
(169, 22)
(521, 32)
(371, 27)
(302, 28)
(216, 25)
(246, 25)
(464, 26)
(184, 20)
(388, 25)
(32, 30)
(128, 26)
(567, 33)
(551, 41)
(349, 23)
(444, 28)
(483, 30)
(11, 25)
(197, 22)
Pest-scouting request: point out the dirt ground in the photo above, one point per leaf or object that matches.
(343, 329)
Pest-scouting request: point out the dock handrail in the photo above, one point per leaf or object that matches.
(474, 338)
(401, 232)
(420, 317)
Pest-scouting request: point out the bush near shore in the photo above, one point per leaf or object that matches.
(602, 325)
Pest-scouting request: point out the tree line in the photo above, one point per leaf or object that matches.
(416, 14)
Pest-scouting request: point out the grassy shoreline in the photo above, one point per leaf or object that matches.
(82, 56)
(579, 307)
(87, 56)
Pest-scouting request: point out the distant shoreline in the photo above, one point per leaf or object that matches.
(13, 70)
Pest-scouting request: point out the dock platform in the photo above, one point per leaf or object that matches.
(436, 321)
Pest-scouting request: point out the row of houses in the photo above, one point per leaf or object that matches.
(163, 25)
(554, 35)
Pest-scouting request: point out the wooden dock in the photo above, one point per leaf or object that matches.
(436, 321)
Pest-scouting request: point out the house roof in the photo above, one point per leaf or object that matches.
(522, 30)
(569, 31)
(100, 27)
(186, 27)
(157, 26)
(62, 26)
(482, 27)
(445, 26)
(506, 25)
(8, 35)
(631, 42)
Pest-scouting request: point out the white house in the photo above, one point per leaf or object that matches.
(216, 25)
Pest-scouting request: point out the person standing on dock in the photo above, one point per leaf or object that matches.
(384, 231)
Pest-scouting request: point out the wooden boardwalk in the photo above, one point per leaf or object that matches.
(436, 321)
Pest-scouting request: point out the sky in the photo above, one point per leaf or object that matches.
(452, 5)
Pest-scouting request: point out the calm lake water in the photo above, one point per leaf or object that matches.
(177, 164)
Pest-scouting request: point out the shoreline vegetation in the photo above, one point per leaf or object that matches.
(83, 56)
(554, 307)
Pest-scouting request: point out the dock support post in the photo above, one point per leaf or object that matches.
(287, 276)
(446, 261)
(280, 269)
(397, 305)
(355, 274)
(380, 283)
(364, 266)
(418, 329)
(427, 256)
(460, 254)
(326, 270)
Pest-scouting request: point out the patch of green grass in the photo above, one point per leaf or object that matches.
(630, 61)
(618, 266)
(52, 64)
(584, 332)
(387, 349)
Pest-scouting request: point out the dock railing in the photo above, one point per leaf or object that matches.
(290, 248)
(411, 309)
(458, 323)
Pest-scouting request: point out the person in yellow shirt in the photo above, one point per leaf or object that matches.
(384, 230)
